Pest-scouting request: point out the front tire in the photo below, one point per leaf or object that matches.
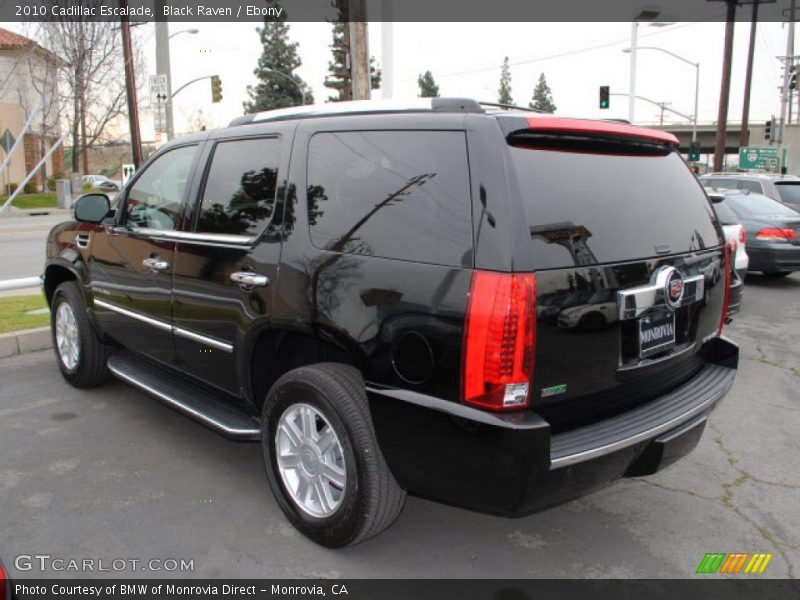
(322, 458)
(80, 354)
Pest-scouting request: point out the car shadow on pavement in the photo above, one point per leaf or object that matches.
(766, 281)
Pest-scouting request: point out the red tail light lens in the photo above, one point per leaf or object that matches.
(742, 235)
(3, 584)
(727, 289)
(776, 233)
(499, 340)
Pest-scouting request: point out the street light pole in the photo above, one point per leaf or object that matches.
(696, 65)
(300, 87)
(632, 78)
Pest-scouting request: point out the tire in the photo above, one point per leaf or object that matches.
(87, 366)
(777, 273)
(367, 499)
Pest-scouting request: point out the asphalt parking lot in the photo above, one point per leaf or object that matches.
(109, 473)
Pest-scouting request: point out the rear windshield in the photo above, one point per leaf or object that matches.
(725, 215)
(758, 205)
(590, 208)
(790, 192)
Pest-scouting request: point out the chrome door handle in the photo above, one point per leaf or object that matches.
(156, 264)
(246, 278)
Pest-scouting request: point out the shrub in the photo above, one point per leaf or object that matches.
(87, 186)
(11, 188)
(31, 187)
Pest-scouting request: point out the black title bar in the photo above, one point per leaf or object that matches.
(385, 10)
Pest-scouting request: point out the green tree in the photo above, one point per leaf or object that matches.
(338, 78)
(504, 93)
(542, 96)
(427, 86)
(274, 90)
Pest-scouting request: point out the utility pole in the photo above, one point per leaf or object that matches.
(744, 135)
(359, 51)
(725, 87)
(788, 60)
(163, 64)
(130, 86)
(387, 49)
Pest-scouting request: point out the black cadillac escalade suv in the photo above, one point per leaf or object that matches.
(492, 308)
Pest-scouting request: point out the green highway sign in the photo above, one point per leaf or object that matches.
(756, 157)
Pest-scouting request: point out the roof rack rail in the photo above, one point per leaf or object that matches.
(357, 107)
(513, 107)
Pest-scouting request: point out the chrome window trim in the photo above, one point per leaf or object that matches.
(192, 237)
(185, 333)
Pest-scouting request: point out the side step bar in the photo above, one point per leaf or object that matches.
(210, 409)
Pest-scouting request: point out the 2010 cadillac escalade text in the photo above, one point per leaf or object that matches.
(492, 308)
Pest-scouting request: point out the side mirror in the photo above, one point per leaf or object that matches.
(92, 208)
(716, 197)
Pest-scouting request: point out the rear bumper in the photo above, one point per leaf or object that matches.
(510, 464)
(774, 257)
(737, 291)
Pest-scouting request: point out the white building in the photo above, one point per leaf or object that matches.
(28, 77)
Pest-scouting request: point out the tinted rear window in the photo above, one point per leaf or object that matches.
(758, 205)
(790, 192)
(725, 215)
(590, 208)
(393, 194)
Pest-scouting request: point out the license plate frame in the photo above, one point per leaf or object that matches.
(663, 337)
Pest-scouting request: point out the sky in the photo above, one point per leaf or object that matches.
(465, 59)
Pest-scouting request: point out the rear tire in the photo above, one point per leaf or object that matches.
(80, 354)
(364, 499)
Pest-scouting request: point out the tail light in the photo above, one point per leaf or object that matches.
(4, 585)
(499, 340)
(742, 235)
(727, 289)
(776, 233)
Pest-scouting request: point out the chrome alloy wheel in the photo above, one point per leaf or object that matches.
(310, 460)
(68, 339)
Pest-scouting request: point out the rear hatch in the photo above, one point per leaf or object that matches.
(630, 264)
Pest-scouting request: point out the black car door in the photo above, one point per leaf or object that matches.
(132, 260)
(226, 265)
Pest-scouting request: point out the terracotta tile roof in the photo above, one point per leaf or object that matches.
(10, 40)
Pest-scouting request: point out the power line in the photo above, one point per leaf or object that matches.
(574, 52)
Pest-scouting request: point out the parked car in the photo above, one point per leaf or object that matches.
(783, 188)
(736, 237)
(355, 286)
(102, 183)
(772, 232)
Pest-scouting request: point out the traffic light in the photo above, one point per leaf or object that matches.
(694, 151)
(216, 89)
(695, 169)
(769, 130)
(604, 96)
(793, 81)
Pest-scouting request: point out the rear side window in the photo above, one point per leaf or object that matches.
(588, 208)
(239, 194)
(393, 194)
(789, 193)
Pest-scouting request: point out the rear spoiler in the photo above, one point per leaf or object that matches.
(586, 128)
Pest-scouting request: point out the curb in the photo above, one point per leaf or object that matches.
(22, 342)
